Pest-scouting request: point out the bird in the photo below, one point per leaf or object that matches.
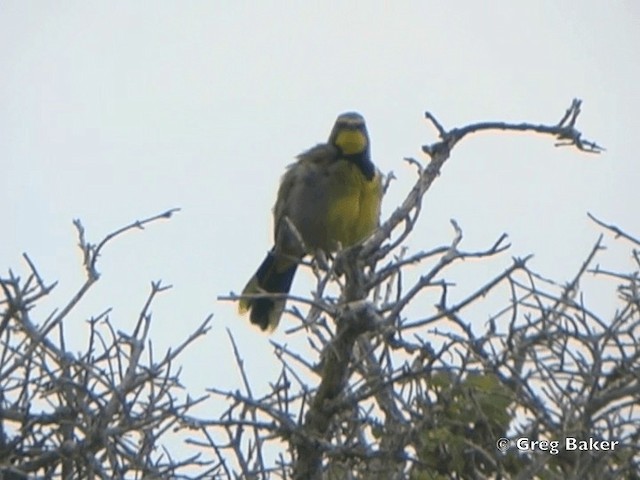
(330, 198)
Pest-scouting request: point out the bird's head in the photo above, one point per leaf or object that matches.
(349, 134)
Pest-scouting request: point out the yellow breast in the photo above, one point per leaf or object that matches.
(354, 204)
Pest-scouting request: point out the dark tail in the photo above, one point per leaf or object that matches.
(274, 275)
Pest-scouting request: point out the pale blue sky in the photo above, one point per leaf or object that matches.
(113, 111)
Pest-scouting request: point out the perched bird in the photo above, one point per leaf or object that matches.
(329, 198)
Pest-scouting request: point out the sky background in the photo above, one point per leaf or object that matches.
(115, 111)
